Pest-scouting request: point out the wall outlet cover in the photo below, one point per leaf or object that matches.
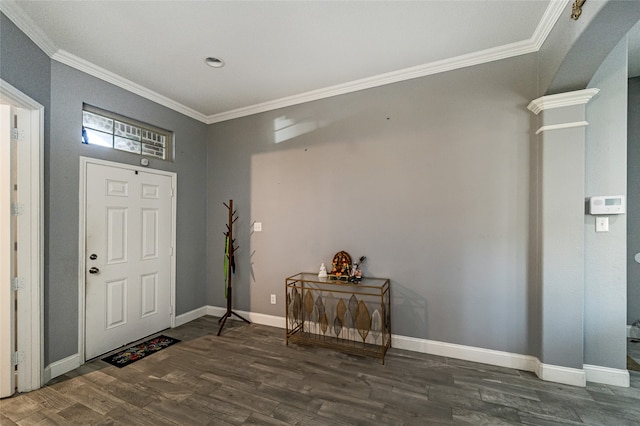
(602, 224)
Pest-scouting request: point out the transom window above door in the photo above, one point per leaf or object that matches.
(114, 131)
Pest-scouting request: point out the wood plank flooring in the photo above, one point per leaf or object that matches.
(248, 376)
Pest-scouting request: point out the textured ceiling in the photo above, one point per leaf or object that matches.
(276, 52)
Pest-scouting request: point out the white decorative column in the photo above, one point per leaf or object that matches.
(560, 133)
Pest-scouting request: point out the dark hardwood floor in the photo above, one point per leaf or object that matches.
(248, 376)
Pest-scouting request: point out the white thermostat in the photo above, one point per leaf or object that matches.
(607, 204)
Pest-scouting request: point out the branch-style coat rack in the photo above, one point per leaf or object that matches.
(229, 265)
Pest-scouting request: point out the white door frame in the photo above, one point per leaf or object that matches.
(30, 154)
(7, 297)
(84, 161)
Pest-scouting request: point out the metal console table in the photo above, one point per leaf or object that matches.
(328, 312)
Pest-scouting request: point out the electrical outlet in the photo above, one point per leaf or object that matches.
(257, 227)
(602, 224)
(273, 299)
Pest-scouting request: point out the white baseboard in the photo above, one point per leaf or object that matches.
(467, 353)
(216, 311)
(608, 376)
(264, 319)
(61, 367)
(558, 374)
(190, 316)
(547, 372)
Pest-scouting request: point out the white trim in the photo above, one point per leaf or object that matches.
(105, 75)
(190, 316)
(61, 367)
(31, 249)
(81, 259)
(607, 376)
(7, 295)
(467, 353)
(558, 374)
(548, 21)
(217, 311)
(450, 64)
(264, 319)
(84, 161)
(577, 97)
(174, 237)
(562, 126)
(531, 45)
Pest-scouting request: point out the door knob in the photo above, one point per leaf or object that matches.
(93, 256)
(94, 270)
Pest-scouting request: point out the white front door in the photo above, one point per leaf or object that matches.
(128, 256)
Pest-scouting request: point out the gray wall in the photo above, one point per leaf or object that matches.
(633, 201)
(69, 89)
(62, 90)
(574, 50)
(558, 45)
(605, 253)
(27, 68)
(24, 65)
(428, 178)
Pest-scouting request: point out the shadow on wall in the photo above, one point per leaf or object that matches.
(408, 307)
(369, 173)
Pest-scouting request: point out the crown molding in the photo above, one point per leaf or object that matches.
(27, 26)
(462, 61)
(548, 21)
(533, 44)
(103, 74)
(577, 97)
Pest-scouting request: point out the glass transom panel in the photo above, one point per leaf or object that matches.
(104, 129)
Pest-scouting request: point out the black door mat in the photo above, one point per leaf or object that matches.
(139, 351)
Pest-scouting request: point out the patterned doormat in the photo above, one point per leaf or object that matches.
(139, 351)
(632, 364)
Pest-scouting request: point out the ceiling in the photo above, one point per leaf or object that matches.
(277, 53)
